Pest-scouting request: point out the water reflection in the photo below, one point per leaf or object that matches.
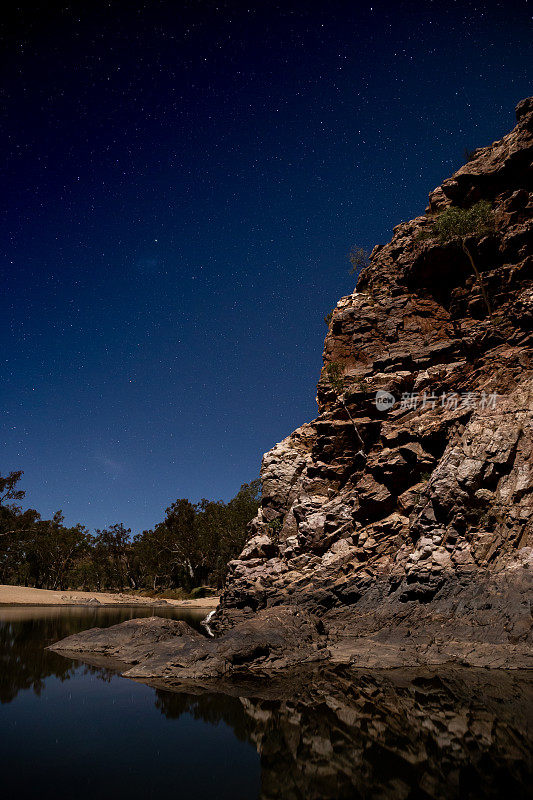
(336, 733)
(342, 733)
(25, 631)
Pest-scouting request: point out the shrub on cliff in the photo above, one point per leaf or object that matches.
(457, 224)
(359, 258)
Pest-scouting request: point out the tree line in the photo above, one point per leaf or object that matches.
(188, 549)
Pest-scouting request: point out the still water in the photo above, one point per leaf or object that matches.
(71, 730)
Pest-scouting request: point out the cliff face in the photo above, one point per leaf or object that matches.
(397, 532)
(408, 527)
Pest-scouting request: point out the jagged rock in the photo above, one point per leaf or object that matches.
(260, 546)
(408, 529)
(453, 469)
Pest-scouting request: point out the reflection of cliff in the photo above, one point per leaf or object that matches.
(345, 734)
(334, 732)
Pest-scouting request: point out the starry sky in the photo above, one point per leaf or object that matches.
(182, 183)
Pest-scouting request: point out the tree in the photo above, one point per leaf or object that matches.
(38, 552)
(7, 487)
(15, 528)
(16, 531)
(459, 224)
(52, 550)
(113, 557)
(178, 545)
(151, 568)
(359, 258)
(190, 547)
(226, 527)
(194, 542)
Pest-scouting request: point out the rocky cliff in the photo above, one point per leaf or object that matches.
(408, 527)
(397, 527)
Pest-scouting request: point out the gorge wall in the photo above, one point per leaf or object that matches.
(409, 530)
(396, 533)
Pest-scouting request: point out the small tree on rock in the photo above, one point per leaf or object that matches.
(359, 258)
(459, 224)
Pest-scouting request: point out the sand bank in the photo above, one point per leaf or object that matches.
(25, 595)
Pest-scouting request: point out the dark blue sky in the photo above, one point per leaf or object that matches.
(182, 182)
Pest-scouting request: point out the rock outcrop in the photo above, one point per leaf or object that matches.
(406, 525)
(129, 642)
(276, 639)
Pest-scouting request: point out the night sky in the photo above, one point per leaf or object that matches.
(182, 183)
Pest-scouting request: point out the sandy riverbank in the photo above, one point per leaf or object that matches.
(24, 595)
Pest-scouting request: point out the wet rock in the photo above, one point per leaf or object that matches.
(270, 640)
(129, 642)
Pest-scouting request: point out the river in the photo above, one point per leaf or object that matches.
(72, 730)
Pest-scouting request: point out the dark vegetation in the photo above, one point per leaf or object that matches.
(359, 258)
(459, 225)
(188, 549)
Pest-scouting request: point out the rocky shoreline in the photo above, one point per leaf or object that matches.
(396, 535)
(329, 731)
